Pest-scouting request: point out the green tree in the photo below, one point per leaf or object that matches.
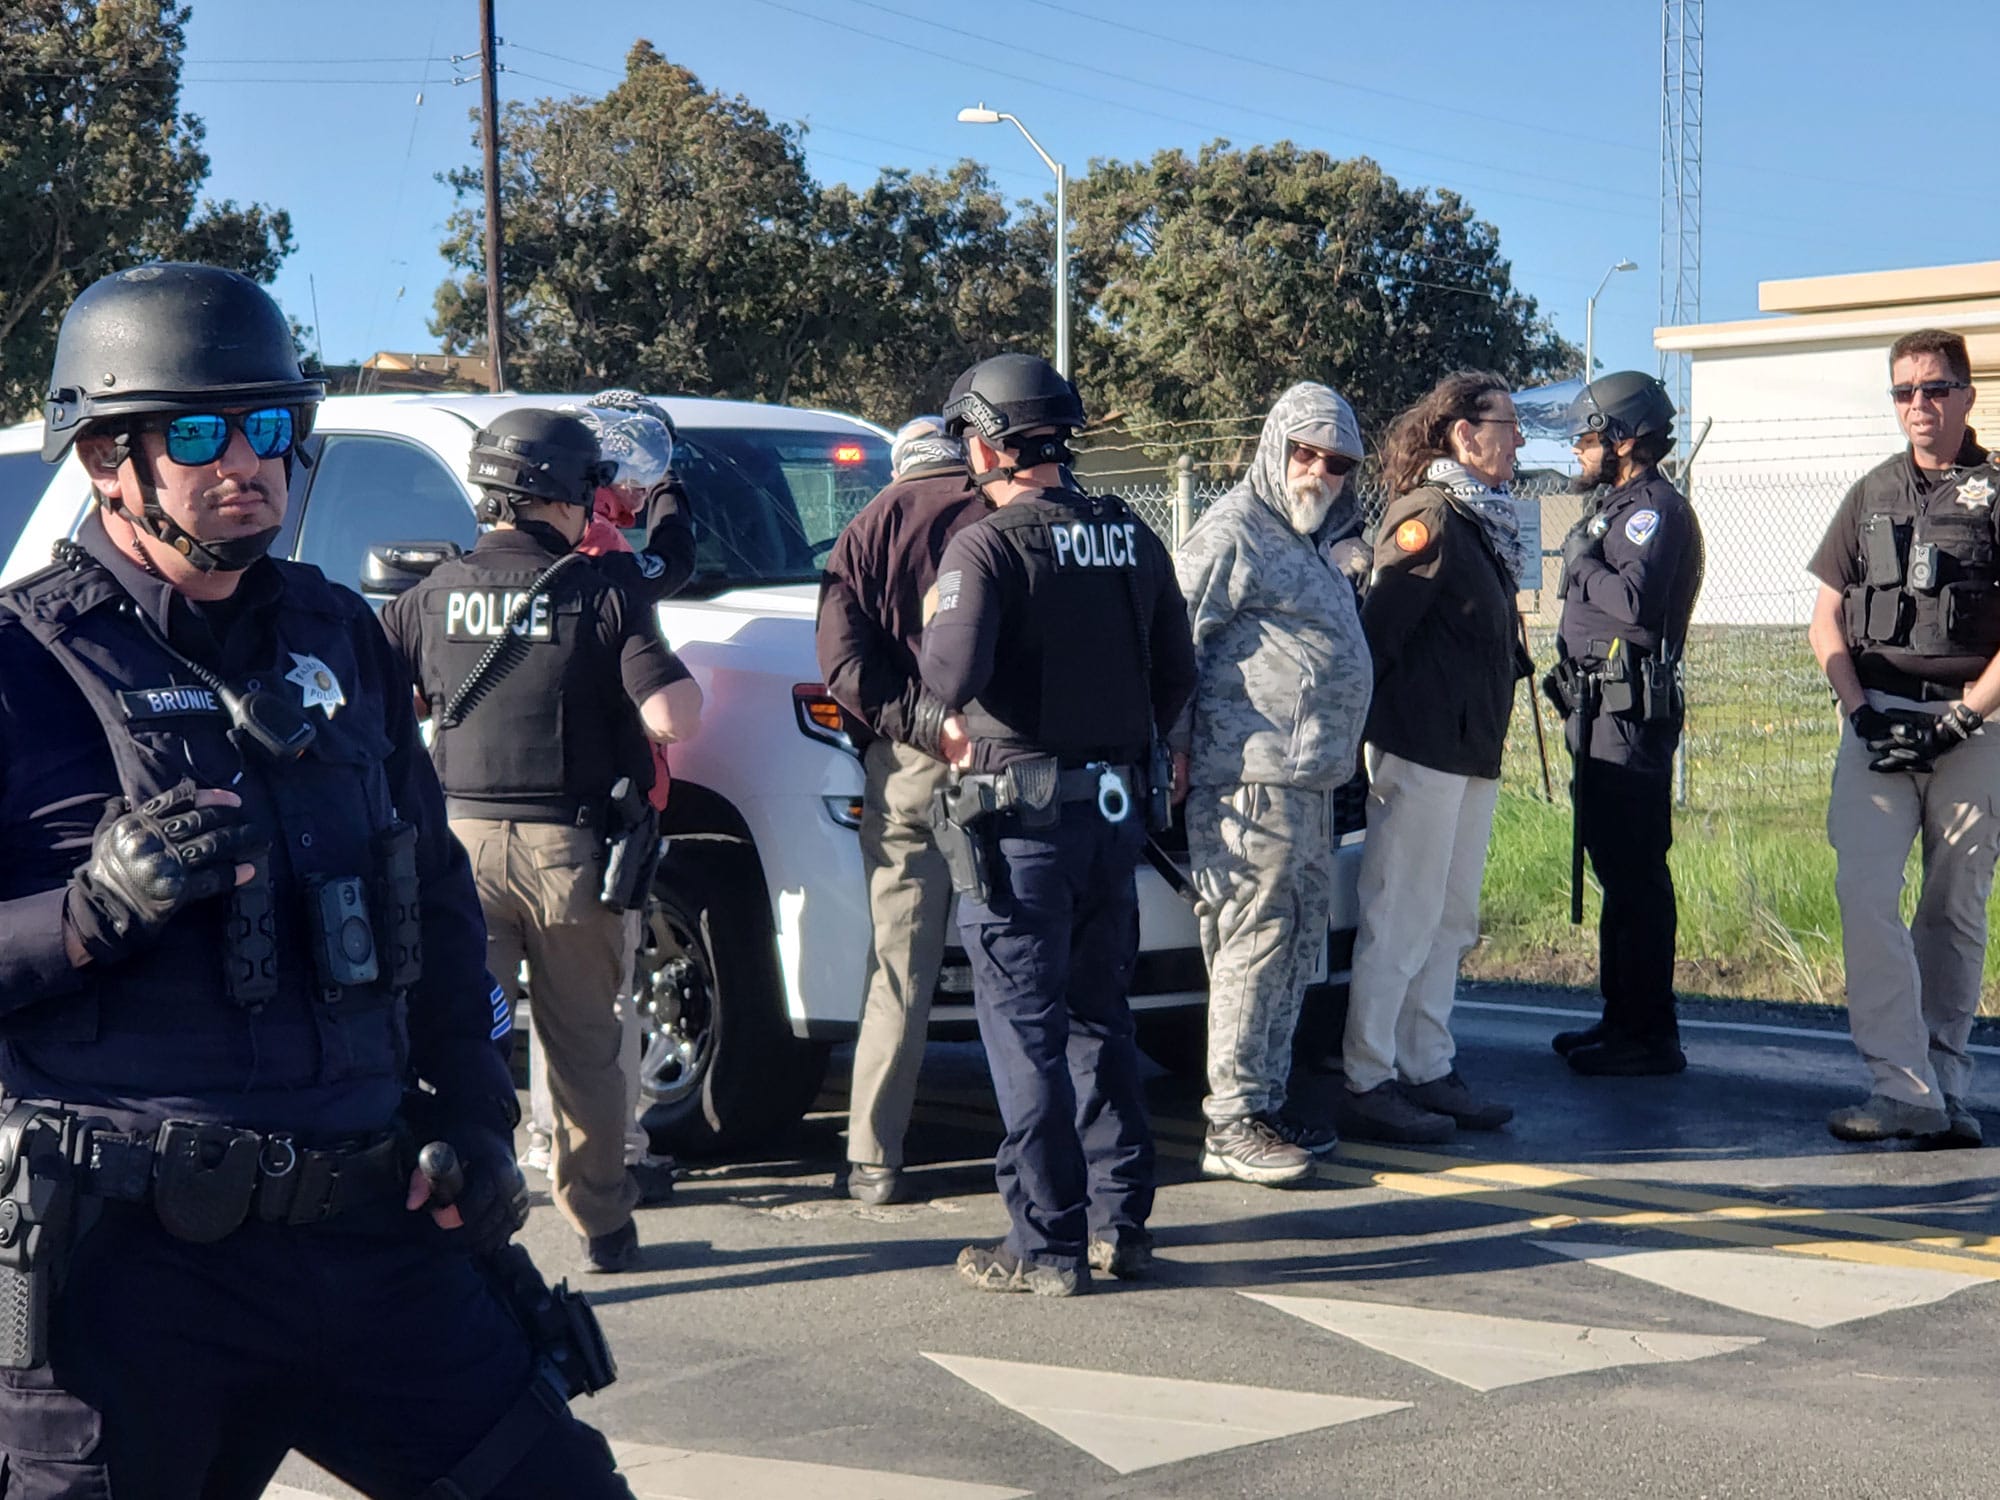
(99, 169)
(929, 274)
(1219, 280)
(661, 236)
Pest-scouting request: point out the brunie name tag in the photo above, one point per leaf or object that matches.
(173, 702)
(481, 614)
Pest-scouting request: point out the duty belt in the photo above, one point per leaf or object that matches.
(204, 1180)
(1071, 786)
(1904, 685)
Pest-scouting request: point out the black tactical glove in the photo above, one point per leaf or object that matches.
(494, 1201)
(1578, 545)
(1874, 727)
(1916, 739)
(148, 864)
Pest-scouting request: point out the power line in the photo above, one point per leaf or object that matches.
(1291, 120)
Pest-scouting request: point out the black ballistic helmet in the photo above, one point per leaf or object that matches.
(172, 337)
(1010, 394)
(539, 455)
(1624, 404)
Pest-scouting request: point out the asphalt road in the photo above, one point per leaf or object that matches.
(1672, 1287)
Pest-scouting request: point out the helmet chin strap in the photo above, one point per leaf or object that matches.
(232, 555)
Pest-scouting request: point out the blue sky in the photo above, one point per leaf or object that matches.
(1834, 140)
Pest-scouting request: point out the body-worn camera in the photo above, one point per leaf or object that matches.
(1923, 567)
(344, 937)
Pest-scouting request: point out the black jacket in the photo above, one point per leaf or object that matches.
(871, 601)
(1446, 641)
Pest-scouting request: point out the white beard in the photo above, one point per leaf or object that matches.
(1309, 499)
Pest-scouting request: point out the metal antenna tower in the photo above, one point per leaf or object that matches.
(1680, 185)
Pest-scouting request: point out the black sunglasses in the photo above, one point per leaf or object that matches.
(1336, 463)
(1934, 390)
(198, 438)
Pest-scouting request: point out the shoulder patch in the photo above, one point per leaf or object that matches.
(1412, 536)
(651, 566)
(1641, 525)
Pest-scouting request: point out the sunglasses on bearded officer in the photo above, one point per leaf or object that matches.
(1305, 457)
(195, 439)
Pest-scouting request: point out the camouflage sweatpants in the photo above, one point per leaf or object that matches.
(1263, 863)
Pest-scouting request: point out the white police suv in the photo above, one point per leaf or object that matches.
(758, 935)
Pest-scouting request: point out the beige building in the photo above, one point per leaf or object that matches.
(1797, 406)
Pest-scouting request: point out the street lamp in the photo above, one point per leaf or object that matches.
(981, 115)
(1590, 320)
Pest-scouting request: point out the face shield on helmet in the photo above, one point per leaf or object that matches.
(636, 444)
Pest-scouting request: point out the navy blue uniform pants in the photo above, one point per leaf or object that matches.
(186, 1372)
(1628, 827)
(1051, 956)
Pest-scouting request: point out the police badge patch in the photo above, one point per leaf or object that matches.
(317, 685)
(1975, 493)
(1641, 526)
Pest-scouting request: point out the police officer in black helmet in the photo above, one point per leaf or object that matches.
(236, 940)
(1631, 569)
(1062, 647)
(545, 676)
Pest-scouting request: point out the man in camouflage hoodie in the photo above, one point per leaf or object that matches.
(1275, 725)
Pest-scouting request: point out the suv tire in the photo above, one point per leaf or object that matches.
(721, 1069)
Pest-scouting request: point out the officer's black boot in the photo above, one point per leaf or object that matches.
(1630, 1057)
(1566, 1042)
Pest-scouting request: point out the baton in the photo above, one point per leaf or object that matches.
(1170, 872)
(1586, 715)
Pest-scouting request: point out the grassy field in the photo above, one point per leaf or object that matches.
(1752, 868)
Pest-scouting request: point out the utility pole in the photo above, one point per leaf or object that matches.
(489, 117)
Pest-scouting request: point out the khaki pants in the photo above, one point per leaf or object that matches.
(538, 884)
(909, 892)
(1263, 862)
(1912, 991)
(1420, 874)
(541, 1108)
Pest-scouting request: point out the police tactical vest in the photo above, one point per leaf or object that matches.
(1930, 583)
(160, 1023)
(551, 728)
(1069, 679)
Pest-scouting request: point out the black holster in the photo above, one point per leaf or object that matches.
(38, 1173)
(1159, 785)
(560, 1324)
(633, 848)
(958, 823)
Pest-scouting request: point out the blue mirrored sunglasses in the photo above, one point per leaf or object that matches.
(198, 438)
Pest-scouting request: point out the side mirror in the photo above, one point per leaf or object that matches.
(394, 568)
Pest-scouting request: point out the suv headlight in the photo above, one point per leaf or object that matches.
(821, 718)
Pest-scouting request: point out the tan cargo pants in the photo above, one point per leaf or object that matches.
(909, 895)
(538, 885)
(1912, 991)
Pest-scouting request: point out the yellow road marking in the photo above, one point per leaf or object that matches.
(1693, 1215)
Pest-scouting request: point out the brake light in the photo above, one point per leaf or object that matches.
(850, 453)
(820, 717)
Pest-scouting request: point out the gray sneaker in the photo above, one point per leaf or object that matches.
(1880, 1118)
(1385, 1113)
(1962, 1125)
(1449, 1096)
(995, 1268)
(1251, 1151)
(1128, 1256)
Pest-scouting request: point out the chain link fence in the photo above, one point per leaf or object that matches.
(1761, 727)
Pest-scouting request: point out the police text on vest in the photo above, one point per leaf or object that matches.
(1096, 544)
(481, 614)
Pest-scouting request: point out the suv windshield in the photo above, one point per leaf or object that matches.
(768, 503)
